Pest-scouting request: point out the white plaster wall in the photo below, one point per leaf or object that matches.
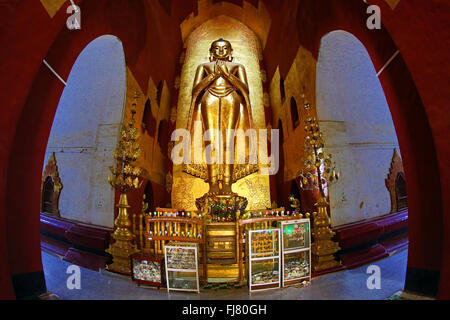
(85, 131)
(357, 125)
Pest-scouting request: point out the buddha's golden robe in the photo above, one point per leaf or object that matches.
(220, 102)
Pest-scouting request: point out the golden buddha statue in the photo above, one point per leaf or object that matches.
(220, 100)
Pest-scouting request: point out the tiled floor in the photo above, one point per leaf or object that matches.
(344, 285)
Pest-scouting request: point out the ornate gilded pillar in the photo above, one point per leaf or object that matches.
(323, 248)
(319, 171)
(125, 176)
(123, 247)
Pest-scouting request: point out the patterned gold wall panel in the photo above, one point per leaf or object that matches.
(52, 6)
(300, 84)
(247, 51)
(151, 158)
(257, 19)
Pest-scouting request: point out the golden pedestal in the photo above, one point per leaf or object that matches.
(221, 252)
(205, 202)
(123, 247)
(220, 273)
(222, 238)
(323, 248)
(221, 242)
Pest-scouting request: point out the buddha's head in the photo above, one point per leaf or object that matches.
(220, 50)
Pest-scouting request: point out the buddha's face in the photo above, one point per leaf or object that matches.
(220, 50)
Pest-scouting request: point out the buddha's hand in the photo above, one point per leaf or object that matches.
(222, 68)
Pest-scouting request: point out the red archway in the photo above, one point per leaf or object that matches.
(414, 105)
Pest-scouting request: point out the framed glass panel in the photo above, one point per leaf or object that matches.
(146, 270)
(264, 259)
(264, 243)
(295, 235)
(296, 265)
(180, 280)
(181, 258)
(265, 271)
(181, 266)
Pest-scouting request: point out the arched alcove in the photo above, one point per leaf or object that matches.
(85, 130)
(163, 136)
(48, 188)
(149, 197)
(281, 195)
(282, 91)
(294, 114)
(400, 192)
(295, 191)
(247, 50)
(148, 120)
(357, 125)
(159, 89)
(281, 132)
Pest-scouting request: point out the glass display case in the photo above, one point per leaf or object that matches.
(264, 259)
(296, 251)
(148, 269)
(182, 266)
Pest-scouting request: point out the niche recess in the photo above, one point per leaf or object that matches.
(51, 188)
